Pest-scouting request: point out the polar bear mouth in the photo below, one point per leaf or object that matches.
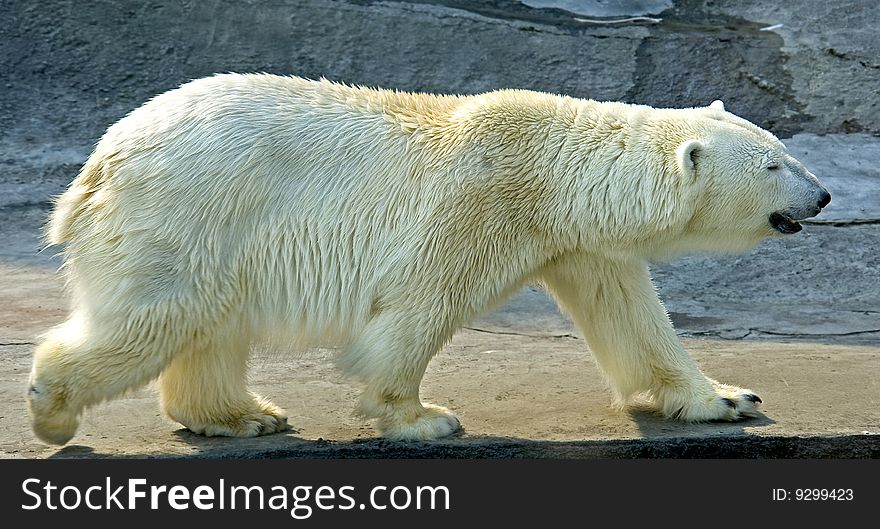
(783, 223)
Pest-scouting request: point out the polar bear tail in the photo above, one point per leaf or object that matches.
(70, 204)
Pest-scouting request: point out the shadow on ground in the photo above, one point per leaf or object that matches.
(652, 425)
(730, 442)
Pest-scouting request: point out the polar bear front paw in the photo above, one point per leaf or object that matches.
(252, 419)
(433, 422)
(744, 402)
(722, 403)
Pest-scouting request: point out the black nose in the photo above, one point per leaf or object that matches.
(824, 199)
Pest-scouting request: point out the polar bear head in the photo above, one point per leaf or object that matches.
(750, 187)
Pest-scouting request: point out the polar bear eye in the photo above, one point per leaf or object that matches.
(774, 167)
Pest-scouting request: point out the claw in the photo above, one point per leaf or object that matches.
(729, 402)
(752, 398)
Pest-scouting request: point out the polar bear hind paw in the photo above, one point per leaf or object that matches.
(260, 418)
(435, 422)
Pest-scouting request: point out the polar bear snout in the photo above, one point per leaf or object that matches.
(806, 198)
(819, 199)
(824, 198)
(786, 221)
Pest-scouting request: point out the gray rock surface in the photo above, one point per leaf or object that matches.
(797, 319)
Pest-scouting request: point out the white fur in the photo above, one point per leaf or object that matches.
(241, 208)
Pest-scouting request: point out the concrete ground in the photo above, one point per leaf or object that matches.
(797, 319)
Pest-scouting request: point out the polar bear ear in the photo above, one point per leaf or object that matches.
(687, 154)
(717, 104)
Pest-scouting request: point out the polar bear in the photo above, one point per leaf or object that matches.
(240, 208)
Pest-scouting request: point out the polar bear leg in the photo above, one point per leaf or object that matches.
(85, 361)
(205, 389)
(391, 357)
(615, 305)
